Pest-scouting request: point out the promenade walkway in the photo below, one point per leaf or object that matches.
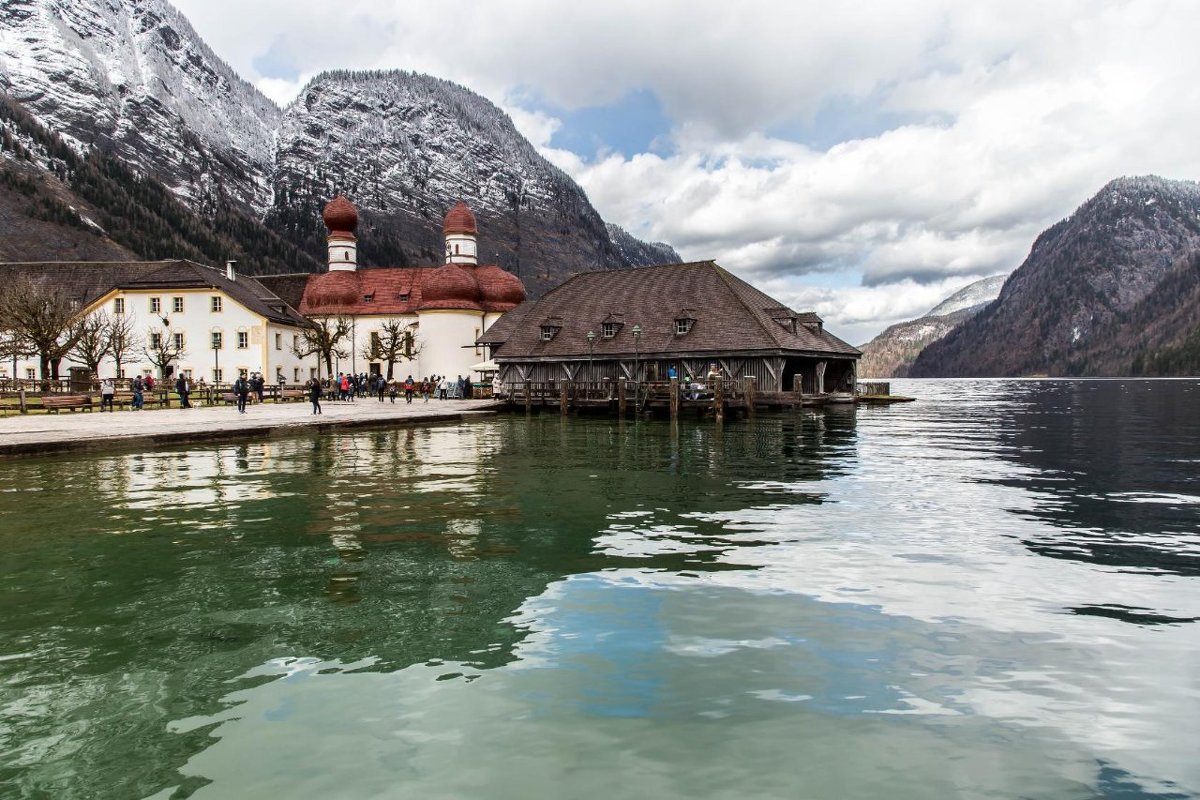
(67, 431)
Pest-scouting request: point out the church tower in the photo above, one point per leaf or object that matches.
(460, 232)
(341, 218)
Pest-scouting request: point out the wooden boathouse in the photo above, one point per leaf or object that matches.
(617, 336)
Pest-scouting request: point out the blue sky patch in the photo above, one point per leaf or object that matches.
(634, 124)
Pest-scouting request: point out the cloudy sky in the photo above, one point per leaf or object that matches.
(863, 159)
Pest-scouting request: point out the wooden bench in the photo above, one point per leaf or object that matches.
(57, 402)
(292, 394)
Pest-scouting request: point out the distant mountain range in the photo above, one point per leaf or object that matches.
(1113, 290)
(891, 353)
(129, 82)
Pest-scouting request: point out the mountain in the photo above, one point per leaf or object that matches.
(131, 79)
(1100, 293)
(890, 354)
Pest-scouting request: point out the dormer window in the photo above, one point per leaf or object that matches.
(683, 325)
(369, 298)
(549, 332)
(402, 297)
(609, 329)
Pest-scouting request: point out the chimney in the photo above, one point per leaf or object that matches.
(229, 270)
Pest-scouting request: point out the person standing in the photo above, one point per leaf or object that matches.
(241, 388)
(409, 387)
(259, 385)
(183, 388)
(139, 394)
(107, 392)
(314, 394)
(380, 386)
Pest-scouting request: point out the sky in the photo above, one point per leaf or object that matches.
(860, 159)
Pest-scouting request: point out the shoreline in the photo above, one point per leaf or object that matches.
(101, 432)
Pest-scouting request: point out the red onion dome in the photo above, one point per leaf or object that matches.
(499, 290)
(450, 286)
(340, 215)
(460, 220)
(330, 290)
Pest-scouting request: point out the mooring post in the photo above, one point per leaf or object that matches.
(719, 399)
(564, 390)
(748, 388)
(674, 398)
(528, 397)
(621, 397)
(24, 410)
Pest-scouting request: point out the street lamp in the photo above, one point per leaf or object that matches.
(637, 353)
(216, 348)
(591, 337)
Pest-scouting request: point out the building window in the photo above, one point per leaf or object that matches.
(187, 373)
(682, 326)
(218, 375)
(295, 374)
(243, 340)
(156, 305)
(402, 297)
(279, 341)
(217, 338)
(548, 332)
(216, 303)
(369, 298)
(179, 341)
(608, 329)
(121, 374)
(295, 341)
(119, 305)
(312, 372)
(243, 372)
(177, 305)
(30, 374)
(156, 341)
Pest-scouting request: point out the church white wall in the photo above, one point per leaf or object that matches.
(443, 336)
(461, 249)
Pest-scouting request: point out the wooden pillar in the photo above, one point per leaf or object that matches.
(674, 398)
(24, 408)
(748, 389)
(564, 391)
(820, 387)
(528, 397)
(719, 399)
(621, 397)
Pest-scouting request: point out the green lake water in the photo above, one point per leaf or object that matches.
(991, 593)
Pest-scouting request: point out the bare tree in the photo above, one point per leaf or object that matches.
(123, 340)
(324, 337)
(93, 345)
(161, 349)
(394, 342)
(44, 318)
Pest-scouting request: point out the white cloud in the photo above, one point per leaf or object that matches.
(977, 124)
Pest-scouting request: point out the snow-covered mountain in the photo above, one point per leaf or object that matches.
(890, 354)
(134, 80)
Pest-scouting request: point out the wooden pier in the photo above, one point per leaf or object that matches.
(717, 398)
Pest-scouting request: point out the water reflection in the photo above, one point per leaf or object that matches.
(850, 603)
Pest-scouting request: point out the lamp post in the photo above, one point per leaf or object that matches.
(216, 348)
(591, 339)
(637, 353)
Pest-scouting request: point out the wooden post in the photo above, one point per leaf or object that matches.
(719, 399)
(528, 397)
(564, 391)
(674, 398)
(24, 410)
(748, 388)
(621, 397)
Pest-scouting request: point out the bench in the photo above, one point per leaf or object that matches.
(292, 394)
(57, 402)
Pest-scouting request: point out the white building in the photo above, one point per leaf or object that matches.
(222, 324)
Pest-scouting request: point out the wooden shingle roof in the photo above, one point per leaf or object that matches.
(729, 315)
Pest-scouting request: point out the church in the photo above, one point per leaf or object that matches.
(443, 309)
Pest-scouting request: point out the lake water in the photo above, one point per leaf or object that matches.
(991, 593)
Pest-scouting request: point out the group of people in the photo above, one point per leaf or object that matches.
(347, 387)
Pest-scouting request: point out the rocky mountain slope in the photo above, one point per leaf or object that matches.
(1096, 291)
(891, 353)
(132, 79)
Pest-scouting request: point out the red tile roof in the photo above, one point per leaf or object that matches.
(340, 215)
(460, 220)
